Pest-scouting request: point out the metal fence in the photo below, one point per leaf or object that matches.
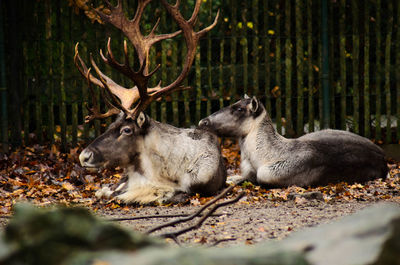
(272, 49)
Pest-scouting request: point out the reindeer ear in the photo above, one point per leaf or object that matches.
(254, 104)
(246, 96)
(141, 119)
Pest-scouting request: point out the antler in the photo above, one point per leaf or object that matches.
(127, 96)
(141, 94)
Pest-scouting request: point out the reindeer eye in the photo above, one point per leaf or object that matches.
(240, 109)
(126, 130)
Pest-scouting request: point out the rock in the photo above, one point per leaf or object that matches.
(239, 255)
(371, 236)
(48, 236)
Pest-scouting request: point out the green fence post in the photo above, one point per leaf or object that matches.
(355, 65)
(278, 74)
(288, 69)
(299, 9)
(397, 72)
(3, 89)
(342, 63)
(310, 70)
(367, 112)
(325, 65)
(387, 66)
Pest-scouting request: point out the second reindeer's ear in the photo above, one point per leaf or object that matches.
(246, 96)
(254, 104)
(141, 119)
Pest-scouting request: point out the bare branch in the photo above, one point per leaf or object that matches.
(154, 217)
(222, 240)
(201, 221)
(195, 214)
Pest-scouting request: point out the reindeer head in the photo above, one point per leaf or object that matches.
(235, 120)
(119, 145)
(108, 148)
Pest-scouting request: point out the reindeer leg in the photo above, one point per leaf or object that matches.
(248, 173)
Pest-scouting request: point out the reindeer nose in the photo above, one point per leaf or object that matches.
(85, 157)
(204, 122)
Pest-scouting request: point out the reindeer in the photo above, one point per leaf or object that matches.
(161, 163)
(317, 158)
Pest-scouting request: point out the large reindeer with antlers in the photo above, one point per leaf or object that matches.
(161, 162)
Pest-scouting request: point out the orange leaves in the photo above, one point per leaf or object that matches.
(45, 175)
(230, 151)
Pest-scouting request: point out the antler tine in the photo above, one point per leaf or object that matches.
(95, 112)
(191, 38)
(156, 38)
(119, 101)
(95, 107)
(110, 60)
(202, 32)
(195, 14)
(82, 68)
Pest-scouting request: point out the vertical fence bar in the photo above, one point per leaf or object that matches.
(299, 66)
(63, 98)
(318, 65)
(74, 118)
(288, 68)
(378, 82)
(221, 76)
(325, 65)
(388, 44)
(85, 100)
(40, 62)
(94, 48)
(267, 57)
(255, 63)
(3, 87)
(28, 75)
(367, 112)
(342, 62)
(356, 62)
(177, 94)
(310, 69)
(278, 66)
(233, 85)
(186, 93)
(199, 94)
(209, 86)
(13, 85)
(397, 72)
(49, 83)
(333, 85)
(29, 72)
(164, 48)
(245, 48)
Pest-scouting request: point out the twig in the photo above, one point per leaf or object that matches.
(192, 216)
(152, 217)
(222, 240)
(200, 222)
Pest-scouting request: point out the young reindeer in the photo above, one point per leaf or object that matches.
(316, 158)
(161, 162)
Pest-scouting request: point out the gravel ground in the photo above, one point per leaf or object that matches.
(243, 222)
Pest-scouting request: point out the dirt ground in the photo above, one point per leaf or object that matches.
(251, 222)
